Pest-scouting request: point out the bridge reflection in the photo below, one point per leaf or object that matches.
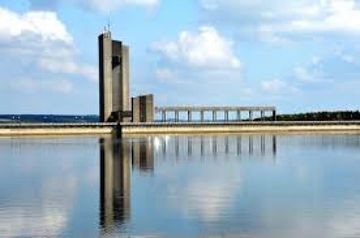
(118, 158)
(213, 146)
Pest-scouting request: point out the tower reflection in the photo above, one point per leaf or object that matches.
(117, 159)
(114, 183)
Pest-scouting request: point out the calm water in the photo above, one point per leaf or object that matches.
(218, 186)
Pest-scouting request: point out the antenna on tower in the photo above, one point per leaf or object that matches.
(109, 22)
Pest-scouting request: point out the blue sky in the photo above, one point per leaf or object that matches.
(299, 55)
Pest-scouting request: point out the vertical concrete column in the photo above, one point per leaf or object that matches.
(120, 80)
(214, 115)
(135, 107)
(239, 115)
(202, 115)
(150, 111)
(226, 115)
(262, 115)
(176, 116)
(189, 116)
(105, 77)
(250, 115)
(125, 66)
(163, 115)
(274, 115)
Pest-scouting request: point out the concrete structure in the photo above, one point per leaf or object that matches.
(143, 108)
(135, 108)
(114, 76)
(239, 127)
(123, 129)
(114, 100)
(163, 111)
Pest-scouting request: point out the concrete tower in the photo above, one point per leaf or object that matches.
(113, 79)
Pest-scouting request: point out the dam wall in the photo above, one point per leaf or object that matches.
(46, 129)
(238, 127)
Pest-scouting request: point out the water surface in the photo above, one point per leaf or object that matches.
(185, 186)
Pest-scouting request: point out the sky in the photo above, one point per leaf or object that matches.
(297, 55)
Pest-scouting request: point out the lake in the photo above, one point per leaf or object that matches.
(181, 186)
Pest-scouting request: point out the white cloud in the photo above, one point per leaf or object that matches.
(29, 85)
(272, 19)
(40, 41)
(309, 74)
(205, 48)
(111, 5)
(278, 87)
(53, 64)
(165, 75)
(105, 6)
(44, 25)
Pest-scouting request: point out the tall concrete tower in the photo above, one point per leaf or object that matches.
(113, 79)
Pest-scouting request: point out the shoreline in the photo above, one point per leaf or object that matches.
(182, 128)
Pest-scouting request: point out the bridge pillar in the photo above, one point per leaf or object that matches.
(163, 116)
(262, 115)
(176, 116)
(226, 115)
(250, 115)
(189, 116)
(239, 115)
(202, 116)
(214, 116)
(274, 115)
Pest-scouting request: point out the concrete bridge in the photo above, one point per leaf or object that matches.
(164, 111)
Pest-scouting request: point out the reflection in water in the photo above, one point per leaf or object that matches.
(119, 157)
(218, 145)
(143, 155)
(114, 184)
(196, 186)
(116, 159)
